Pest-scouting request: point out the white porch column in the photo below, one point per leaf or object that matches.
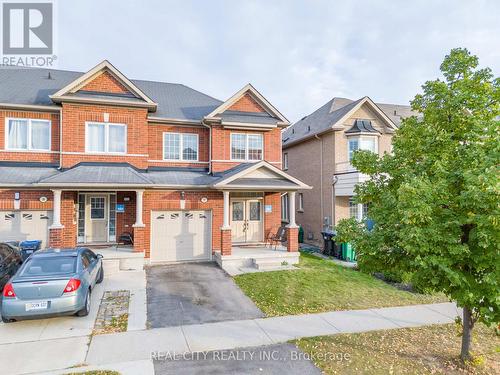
(360, 212)
(138, 209)
(291, 214)
(56, 216)
(225, 223)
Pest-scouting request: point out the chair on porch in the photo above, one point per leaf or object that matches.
(126, 238)
(277, 238)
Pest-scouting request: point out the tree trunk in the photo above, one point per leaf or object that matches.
(468, 324)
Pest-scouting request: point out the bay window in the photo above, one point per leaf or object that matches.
(247, 147)
(106, 138)
(27, 134)
(368, 143)
(180, 146)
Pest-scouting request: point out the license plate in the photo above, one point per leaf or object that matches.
(29, 251)
(37, 306)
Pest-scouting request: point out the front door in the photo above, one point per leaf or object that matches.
(96, 228)
(246, 221)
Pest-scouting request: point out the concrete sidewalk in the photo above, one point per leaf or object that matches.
(139, 345)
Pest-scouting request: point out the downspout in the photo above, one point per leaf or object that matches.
(209, 146)
(60, 136)
(321, 180)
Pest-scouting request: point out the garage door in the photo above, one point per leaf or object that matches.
(180, 235)
(25, 225)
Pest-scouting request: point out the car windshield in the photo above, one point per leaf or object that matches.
(47, 266)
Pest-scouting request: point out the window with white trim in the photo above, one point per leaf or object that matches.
(180, 146)
(284, 207)
(353, 209)
(368, 143)
(103, 137)
(285, 161)
(247, 147)
(27, 134)
(301, 202)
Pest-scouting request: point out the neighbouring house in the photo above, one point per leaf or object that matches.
(86, 157)
(319, 148)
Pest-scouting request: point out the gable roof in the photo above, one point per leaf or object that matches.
(104, 66)
(257, 96)
(32, 87)
(334, 112)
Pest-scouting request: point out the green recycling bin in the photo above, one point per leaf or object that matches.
(348, 253)
(301, 235)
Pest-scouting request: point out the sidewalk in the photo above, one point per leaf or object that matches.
(139, 345)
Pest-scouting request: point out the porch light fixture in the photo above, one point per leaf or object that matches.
(17, 200)
(183, 200)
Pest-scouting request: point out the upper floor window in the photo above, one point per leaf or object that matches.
(362, 143)
(106, 138)
(285, 161)
(247, 146)
(27, 134)
(177, 146)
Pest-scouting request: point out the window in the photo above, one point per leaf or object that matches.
(27, 134)
(106, 138)
(284, 207)
(247, 146)
(362, 143)
(177, 146)
(285, 161)
(97, 208)
(353, 209)
(301, 202)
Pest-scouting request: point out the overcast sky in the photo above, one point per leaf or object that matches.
(298, 54)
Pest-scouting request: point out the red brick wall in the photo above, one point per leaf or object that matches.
(29, 156)
(30, 199)
(74, 118)
(272, 220)
(246, 104)
(169, 200)
(155, 141)
(221, 147)
(105, 82)
(125, 220)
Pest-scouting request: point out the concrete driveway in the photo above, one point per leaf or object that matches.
(193, 293)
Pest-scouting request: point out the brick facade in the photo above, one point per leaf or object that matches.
(105, 82)
(246, 104)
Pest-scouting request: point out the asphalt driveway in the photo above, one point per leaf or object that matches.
(193, 293)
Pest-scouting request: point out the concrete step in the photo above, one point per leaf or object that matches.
(269, 263)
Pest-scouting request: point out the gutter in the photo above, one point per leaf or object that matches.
(209, 147)
(321, 177)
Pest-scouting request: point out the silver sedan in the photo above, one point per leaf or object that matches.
(52, 282)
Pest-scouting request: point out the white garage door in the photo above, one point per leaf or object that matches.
(180, 235)
(25, 225)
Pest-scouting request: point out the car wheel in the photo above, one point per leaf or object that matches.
(100, 278)
(5, 320)
(86, 309)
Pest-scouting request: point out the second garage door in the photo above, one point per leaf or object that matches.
(180, 235)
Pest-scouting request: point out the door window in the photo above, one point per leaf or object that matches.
(237, 211)
(254, 211)
(97, 208)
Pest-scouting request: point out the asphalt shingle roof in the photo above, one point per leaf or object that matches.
(248, 118)
(331, 112)
(32, 86)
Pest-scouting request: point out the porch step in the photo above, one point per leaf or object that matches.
(115, 261)
(269, 263)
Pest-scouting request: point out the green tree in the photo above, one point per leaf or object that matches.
(436, 199)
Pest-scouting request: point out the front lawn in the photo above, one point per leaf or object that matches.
(423, 350)
(320, 285)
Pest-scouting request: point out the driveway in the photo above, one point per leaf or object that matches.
(193, 293)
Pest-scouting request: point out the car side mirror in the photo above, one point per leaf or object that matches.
(99, 256)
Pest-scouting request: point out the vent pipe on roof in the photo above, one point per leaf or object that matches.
(49, 76)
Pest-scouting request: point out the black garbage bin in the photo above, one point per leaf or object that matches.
(29, 247)
(328, 243)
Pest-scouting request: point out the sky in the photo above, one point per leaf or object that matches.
(298, 54)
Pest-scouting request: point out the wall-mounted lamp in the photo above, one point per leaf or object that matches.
(17, 200)
(183, 200)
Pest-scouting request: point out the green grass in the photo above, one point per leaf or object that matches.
(95, 372)
(320, 285)
(423, 350)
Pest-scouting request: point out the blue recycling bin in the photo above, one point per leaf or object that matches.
(29, 247)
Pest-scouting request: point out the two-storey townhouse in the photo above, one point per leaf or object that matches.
(86, 157)
(319, 148)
